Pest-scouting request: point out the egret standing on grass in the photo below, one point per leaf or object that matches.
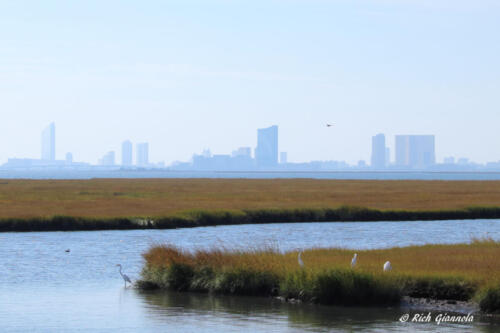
(387, 266)
(354, 260)
(301, 263)
(124, 276)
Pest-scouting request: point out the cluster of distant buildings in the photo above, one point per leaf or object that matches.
(48, 156)
(142, 156)
(265, 156)
(108, 160)
(411, 152)
(418, 152)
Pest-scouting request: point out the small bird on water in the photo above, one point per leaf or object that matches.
(67, 250)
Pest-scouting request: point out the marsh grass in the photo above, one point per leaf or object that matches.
(111, 198)
(38, 205)
(452, 272)
(199, 218)
(489, 299)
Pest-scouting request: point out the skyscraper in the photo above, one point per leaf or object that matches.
(402, 150)
(126, 153)
(49, 143)
(266, 153)
(378, 151)
(142, 154)
(415, 151)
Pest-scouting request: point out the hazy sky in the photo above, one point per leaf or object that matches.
(187, 75)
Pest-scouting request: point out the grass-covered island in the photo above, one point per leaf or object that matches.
(461, 272)
(47, 205)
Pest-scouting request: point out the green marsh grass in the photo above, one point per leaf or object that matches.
(199, 218)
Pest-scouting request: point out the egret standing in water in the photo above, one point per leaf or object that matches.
(301, 263)
(354, 260)
(124, 276)
(387, 266)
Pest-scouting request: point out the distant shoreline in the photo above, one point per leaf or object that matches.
(199, 218)
(119, 173)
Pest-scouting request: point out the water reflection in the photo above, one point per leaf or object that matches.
(273, 315)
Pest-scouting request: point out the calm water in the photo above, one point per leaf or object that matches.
(118, 173)
(44, 288)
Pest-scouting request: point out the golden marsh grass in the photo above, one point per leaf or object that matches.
(104, 198)
(477, 261)
(453, 272)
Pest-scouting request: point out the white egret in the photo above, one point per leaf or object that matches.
(387, 266)
(124, 276)
(301, 263)
(354, 260)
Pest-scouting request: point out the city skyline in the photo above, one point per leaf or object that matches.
(197, 70)
(411, 152)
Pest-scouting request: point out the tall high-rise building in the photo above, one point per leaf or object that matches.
(415, 151)
(142, 154)
(49, 143)
(402, 150)
(126, 153)
(266, 153)
(378, 151)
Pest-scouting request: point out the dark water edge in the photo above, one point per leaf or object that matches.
(118, 309)
(194, 218)
(315, 317)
